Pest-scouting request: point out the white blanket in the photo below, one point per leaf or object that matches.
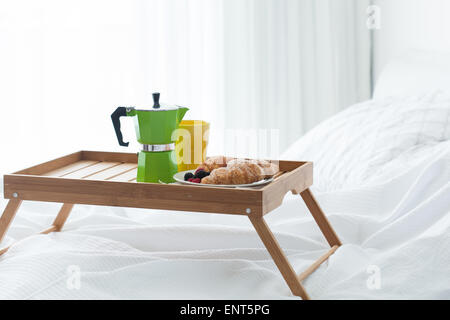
(395, 230)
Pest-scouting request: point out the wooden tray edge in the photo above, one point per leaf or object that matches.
(295, 181)
(259, 200)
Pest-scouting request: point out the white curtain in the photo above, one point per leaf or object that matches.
(291, 63)
(250, 65)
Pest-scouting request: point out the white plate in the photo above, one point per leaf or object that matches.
(179, 177)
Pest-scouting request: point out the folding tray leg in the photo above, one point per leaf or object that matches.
(326, 229)
(320, 218)
(62, 216)
(278, 257)
(10, 212)
(8, 215)
(292, 279)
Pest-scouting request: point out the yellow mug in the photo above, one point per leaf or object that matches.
(191, 144)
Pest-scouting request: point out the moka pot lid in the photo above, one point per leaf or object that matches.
(158, 106)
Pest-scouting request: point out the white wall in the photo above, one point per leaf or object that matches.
(410, 24)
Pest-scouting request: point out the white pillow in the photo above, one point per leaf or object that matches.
(373, 141)
(415, 72)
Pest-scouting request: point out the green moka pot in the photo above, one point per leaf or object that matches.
(155, 131)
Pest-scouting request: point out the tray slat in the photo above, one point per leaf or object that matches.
(128, 176)
(90, 170)
(60, 172)
(113, 172)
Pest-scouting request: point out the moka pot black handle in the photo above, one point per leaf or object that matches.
(115, 117)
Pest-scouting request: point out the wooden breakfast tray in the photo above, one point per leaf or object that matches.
(108, 178)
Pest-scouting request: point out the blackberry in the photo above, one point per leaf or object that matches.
(201, 174)
(198, 170)
(188, 175)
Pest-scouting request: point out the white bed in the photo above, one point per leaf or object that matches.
(382, 175)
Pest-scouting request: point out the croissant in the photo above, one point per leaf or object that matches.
(214, 163)
(268, 168)
(239, 171)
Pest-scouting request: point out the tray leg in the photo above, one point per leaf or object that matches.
(11, 210)
(8, 215)
(278, 257)
(62, 216)
(320, 218)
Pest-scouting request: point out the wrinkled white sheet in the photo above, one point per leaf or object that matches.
(397, 227)
(402, 227)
